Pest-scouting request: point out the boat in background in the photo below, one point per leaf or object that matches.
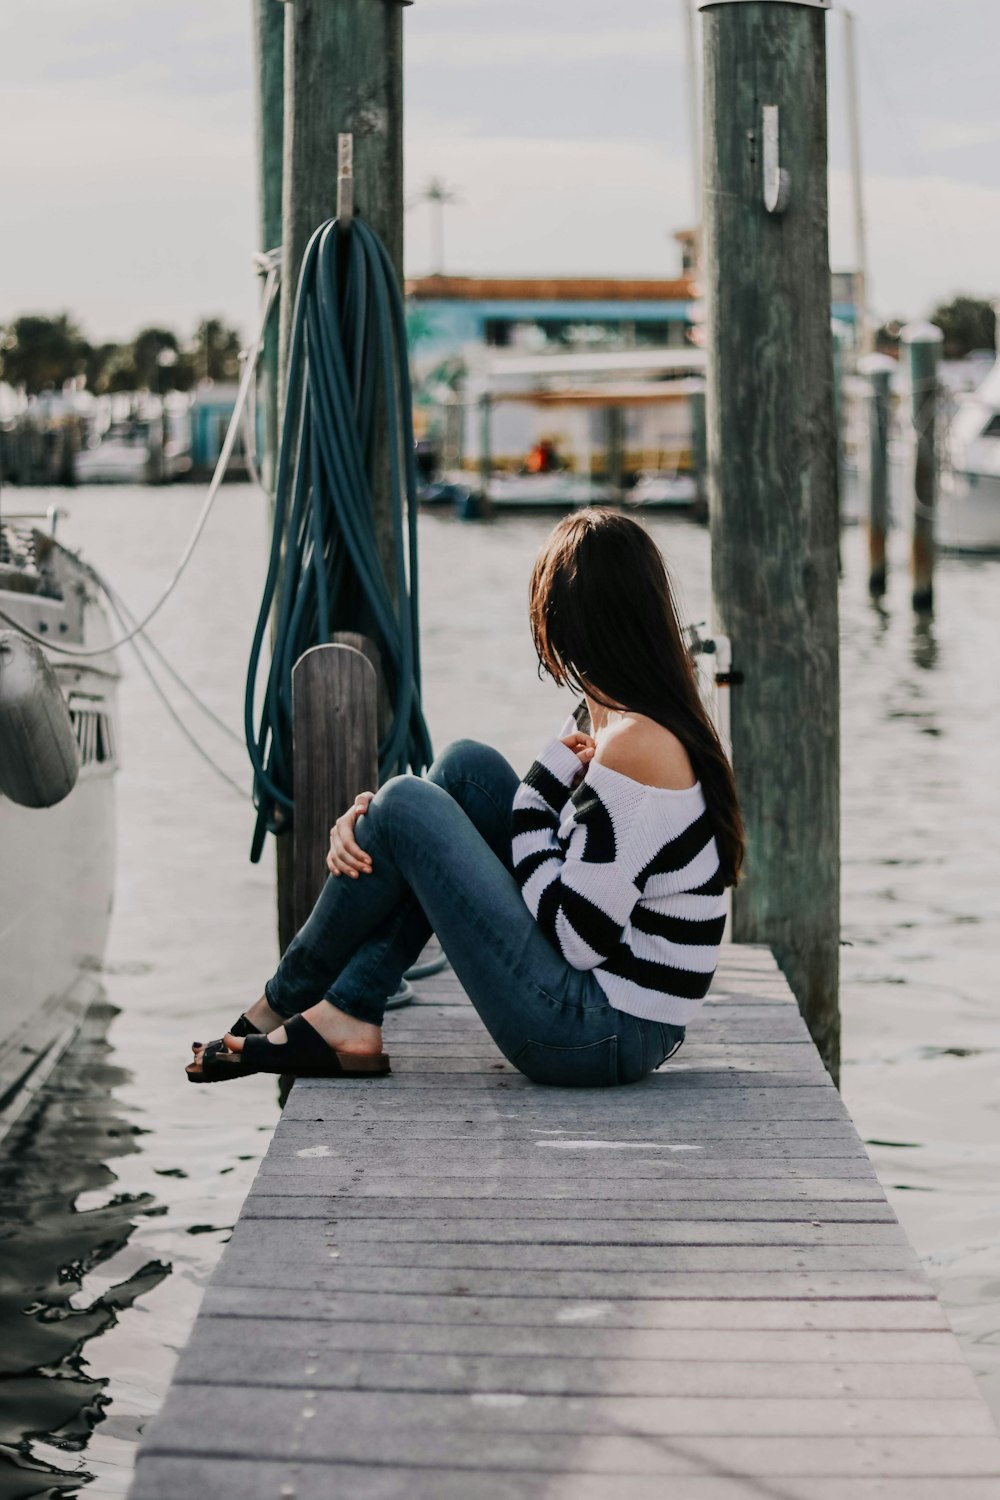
(968, 518)
(151, 444)
(663, 491)
(57, 863)
(123, 454)
(565, 430)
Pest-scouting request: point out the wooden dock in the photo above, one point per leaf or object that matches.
(454, 1285)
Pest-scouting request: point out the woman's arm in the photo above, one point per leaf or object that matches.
(578, 893)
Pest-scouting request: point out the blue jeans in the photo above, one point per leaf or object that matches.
(441, 862)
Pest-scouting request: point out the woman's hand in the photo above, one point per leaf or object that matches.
(583, 747)
(346, 856)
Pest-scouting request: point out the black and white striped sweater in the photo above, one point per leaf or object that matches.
(624, 879)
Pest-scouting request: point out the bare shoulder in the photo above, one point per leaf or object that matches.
(646, 752)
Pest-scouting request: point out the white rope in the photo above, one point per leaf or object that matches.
(242, 792)
(246, 383)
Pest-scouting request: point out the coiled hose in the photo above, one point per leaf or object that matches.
(347, 365)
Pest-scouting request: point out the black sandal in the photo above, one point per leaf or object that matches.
(304, 1055)
(243, 1027)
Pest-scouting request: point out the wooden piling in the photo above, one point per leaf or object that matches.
(772, 477)
(840, 361)
(923, 344)
(269, 57)
(343, 73)
(614, 464)
(699, 451)
(879, 370)
(485, 449)
(334, 753)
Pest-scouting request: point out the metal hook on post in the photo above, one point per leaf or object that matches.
(345, 178)
(777, 182)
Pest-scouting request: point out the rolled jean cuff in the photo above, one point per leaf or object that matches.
(362, 1010)
(273, 1000)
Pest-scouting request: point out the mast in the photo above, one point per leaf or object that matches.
(694, 123)
(857, 188)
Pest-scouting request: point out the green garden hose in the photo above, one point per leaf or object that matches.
(348, 383)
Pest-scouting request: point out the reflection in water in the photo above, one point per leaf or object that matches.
(925, 647)
(48, 1246)
(882, 618)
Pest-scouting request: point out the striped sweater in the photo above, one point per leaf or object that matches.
(623, 879)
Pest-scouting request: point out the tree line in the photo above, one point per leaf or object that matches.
(967, 323)
(39, 353)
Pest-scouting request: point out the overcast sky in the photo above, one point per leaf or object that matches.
(128, 190)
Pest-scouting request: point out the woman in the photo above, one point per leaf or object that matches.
(581, 909)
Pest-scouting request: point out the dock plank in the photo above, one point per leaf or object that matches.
(233, 1478)
(450, 1284)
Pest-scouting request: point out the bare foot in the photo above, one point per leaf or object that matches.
(342, 1032)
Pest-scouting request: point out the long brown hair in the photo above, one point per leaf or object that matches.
(603, 621)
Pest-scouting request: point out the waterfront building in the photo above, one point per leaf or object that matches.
(454, 315)
(212, 405)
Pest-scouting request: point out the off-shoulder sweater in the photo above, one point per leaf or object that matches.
(623, 879)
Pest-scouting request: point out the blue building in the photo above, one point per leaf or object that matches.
(453, 315)
(448, 314)
(212, 406)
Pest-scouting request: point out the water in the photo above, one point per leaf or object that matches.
(126, 1183)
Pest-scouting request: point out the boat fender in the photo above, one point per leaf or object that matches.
(39, 758)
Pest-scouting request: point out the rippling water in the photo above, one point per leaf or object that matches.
(126, 1181)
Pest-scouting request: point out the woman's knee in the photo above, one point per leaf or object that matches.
(462, 758)
(404, 790)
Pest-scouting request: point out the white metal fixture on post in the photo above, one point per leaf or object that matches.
(345, 177)
(816, 4)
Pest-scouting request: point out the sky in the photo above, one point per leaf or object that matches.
(128, 188)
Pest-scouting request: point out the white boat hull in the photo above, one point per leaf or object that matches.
(57, 870)
(57, 864)
(546, 490)
(968, 517)
(113, 463)
(663, 490)
(968, 507)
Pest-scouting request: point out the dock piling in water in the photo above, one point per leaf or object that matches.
(772, 477)
(879, 370)
(699, 450)
(923, 343)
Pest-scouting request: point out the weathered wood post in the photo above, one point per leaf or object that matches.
(699, 450)
(343, 73)
(878, 370)
(614, 463)
(334, 754)
(840, 357)
(269, 57)
(485, 450)
(923, 342)
(772, 476)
